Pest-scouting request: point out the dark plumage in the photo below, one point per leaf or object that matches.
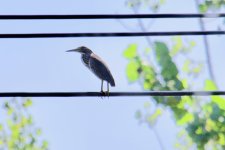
(96, 65)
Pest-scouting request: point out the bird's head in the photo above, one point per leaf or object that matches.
(81, 49)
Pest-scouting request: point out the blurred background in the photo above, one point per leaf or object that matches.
(137, 64)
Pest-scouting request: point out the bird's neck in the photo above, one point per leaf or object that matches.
(85, 58)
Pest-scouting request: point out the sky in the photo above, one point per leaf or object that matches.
(42, 65)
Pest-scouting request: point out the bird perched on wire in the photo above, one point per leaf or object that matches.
(96, 65)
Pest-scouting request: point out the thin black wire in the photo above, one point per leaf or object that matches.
(115, 34)
(109, 16)
(111, 94)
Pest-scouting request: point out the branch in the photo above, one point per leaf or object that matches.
(207, 49)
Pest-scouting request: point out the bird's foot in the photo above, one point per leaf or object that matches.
(105, 93)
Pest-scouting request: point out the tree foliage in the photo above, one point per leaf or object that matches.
(17, 129)
(202, 118)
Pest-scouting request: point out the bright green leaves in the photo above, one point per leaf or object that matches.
(202, 118)
(210, 85)
(150, 80)
(137, 67)
(186, 66)
(132, 71)
(203, 121)
(19, 132)
(27, 103)
(151, 119)
(131, 51)
(188, 117)
(197, 132)
(192, 68)
(133, 67)
(206, 128)
(180, 46)
(152, 5)
(220, 101)
(144, 71)
(1, 127)
(211, 5)
(203, 8)
(44, 145)
(221, 139)
(210, 124)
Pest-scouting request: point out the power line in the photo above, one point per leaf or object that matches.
(109, 16)
(112, 94)
(115, 34)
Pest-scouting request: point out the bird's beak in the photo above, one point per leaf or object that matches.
(71, 50)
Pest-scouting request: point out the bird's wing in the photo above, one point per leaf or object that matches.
(100, 69)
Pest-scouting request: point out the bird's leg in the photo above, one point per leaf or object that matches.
(103, 93)
(108, 89)
(102, 87)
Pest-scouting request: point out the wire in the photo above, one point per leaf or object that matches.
(115, 34)
(111, 94)
(108, 16)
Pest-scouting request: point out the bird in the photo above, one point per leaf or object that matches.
(97, 66)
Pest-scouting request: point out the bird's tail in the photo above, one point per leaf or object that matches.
(112, 83)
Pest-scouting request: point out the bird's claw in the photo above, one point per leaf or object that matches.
(105, 93)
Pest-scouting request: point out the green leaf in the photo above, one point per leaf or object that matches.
(23, 121)
(10, 111)
(147, 85)
(45, 145)
(192, 44)
(1, 127)
(132, 71)
(162, 2)
(197, 69)
(169, 69)
(186, 65)
(221, 139)
(203, 8)
(210, 125)
(131, 51)
(216, 113)
(188, 117)
(161, 52)
(177, 46)
(27, 103)
(184, 83)
(38, 132)
(219, 101)
(152, 118)
(210, 85)
(199, 131)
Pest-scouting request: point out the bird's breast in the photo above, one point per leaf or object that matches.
(85, 58)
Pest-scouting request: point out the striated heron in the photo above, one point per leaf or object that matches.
(96, 65)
